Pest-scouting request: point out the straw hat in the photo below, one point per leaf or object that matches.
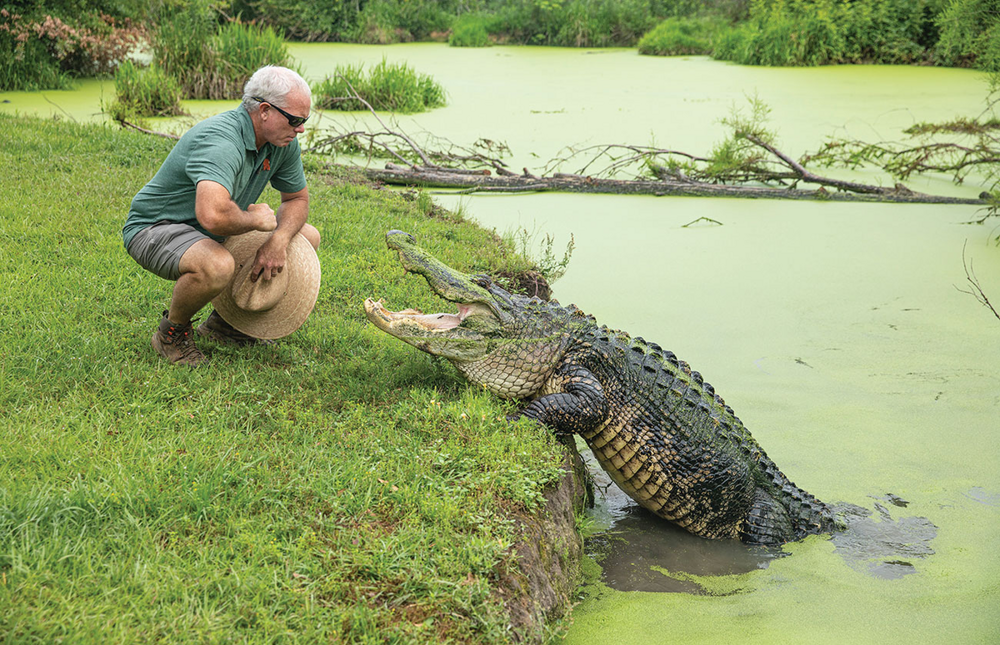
(272, 308)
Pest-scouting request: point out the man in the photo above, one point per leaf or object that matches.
(205, 192)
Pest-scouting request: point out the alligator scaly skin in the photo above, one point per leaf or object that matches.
(665, 437)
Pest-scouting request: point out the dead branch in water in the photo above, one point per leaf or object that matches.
(976, 291)
(748, 158)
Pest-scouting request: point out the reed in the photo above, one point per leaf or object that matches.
(213, 62)
(970, 34)
(823, 32)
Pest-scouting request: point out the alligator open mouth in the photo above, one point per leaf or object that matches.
(383, 317)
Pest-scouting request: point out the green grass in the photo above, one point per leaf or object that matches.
(387, 86)
(339, 486)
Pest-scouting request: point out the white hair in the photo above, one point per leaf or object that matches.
(273, 84)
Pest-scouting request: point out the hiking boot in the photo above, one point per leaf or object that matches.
(220, 331)
(175, 343)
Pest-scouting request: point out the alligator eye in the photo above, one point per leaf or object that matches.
(482, 280)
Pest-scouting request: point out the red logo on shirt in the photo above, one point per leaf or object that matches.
(267, 164)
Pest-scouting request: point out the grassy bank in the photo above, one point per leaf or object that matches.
(339, 486)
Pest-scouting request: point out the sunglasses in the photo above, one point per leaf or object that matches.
(294, 121)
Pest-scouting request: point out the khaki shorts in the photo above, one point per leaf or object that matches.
(159, 248)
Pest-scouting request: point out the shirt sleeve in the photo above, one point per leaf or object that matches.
(214, 157)
(289, 177)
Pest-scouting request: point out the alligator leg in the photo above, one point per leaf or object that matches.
(580, 406)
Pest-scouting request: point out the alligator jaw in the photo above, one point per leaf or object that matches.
(387, 320)
(446, 282)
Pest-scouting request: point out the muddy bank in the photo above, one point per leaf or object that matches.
(540, 578)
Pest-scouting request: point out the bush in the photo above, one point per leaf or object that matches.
(47, 53)
(970, 34)
(394, 87)
(678, 36)
(823, 32)
(144, 92)
(469, 31)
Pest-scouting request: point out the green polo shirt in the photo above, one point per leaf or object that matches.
(222, 149)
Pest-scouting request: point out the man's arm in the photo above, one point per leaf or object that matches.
(218, 213)
(292, 214)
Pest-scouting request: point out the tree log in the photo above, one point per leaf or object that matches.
(484, 182)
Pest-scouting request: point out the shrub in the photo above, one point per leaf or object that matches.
(48, 53)
(144, 92)
(677, 36)
(395, 87)
(821, 32)
(970, 34)
(469, 31)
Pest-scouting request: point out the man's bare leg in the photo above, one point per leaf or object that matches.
(206, 268)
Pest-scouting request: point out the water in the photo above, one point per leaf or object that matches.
(838, 332)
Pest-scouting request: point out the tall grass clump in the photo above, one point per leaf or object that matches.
(823, 32)
(394, 87)
(679, 36)
(469, 30)
(144, 92)
(211, 61)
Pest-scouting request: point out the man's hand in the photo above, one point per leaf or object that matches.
(264, 217)
(270, 260)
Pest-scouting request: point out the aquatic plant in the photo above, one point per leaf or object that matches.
(387, 86)
(144, 92)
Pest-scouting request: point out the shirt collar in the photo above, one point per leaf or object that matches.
(246, 124)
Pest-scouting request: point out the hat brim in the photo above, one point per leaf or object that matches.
(298, 301)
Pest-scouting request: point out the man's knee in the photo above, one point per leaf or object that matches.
(311, 233)
(210, 262)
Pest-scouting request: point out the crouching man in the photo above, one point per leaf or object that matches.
(205, 192)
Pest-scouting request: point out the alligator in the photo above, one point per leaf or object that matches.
(661, 432)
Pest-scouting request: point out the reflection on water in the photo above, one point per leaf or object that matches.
(642, 552)
(639, 551)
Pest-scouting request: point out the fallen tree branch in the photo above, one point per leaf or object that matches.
(165, 135)
(483, 181)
